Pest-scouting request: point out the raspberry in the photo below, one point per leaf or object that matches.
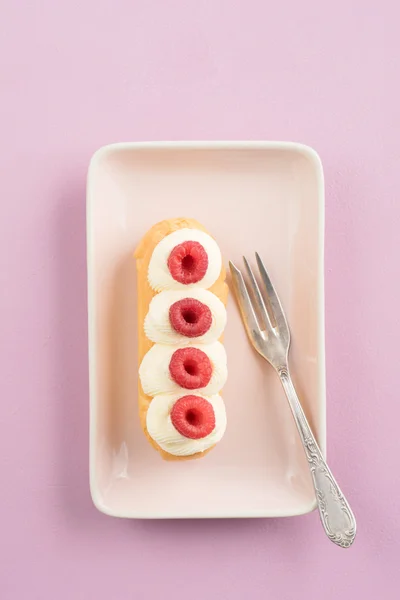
(193, 417)
(190, 317)
(190, 368)
(188, 262)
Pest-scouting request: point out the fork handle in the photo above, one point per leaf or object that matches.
(336, 515)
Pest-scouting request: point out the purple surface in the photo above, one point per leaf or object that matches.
(77, 75)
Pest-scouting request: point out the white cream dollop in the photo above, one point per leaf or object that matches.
(158, 328)
(161, 429)
(159, 276)
(156, 379)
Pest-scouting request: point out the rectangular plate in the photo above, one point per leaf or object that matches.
(250, 196)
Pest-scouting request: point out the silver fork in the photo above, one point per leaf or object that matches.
(269, 333)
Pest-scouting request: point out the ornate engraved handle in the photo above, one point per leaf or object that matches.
(336, 515)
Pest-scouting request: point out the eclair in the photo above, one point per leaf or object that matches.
(182, 298)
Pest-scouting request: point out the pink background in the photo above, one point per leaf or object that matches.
(77, 75)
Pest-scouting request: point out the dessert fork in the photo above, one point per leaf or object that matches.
(267, 328)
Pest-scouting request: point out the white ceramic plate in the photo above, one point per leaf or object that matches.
(251, 196)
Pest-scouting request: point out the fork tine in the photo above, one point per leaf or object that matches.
(243, 298)
(276, 306)
(262, 309)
